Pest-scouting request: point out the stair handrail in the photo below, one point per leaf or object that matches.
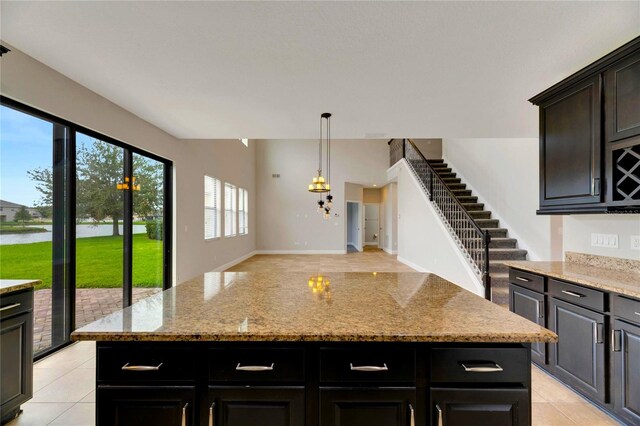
(481, 265)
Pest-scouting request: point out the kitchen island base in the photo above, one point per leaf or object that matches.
(312, 383)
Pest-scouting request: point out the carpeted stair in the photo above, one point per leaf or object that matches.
(502, 248)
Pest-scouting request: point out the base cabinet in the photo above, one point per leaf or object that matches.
(480, 407)
(146, 405)
(530, 304)
(379, 407)
(626, 361)
(578, 357)
(265, 406)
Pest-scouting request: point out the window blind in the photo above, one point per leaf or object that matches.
(230, 209)
(243, 211)
(211, 207)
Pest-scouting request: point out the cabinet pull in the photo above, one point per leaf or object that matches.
(526, 280)
(571, 293)
(615, 340)
(211, 413)
(540, 308)
(440, 421)
(368, 367)
(595, 186)
(184, 414)
(128, 367)
(6, 308)
(254, 367)
(489, 367)
(637, 313)
(412, 420)
(598, 331)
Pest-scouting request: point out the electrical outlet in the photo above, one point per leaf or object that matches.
(635, 242)
(604, 240)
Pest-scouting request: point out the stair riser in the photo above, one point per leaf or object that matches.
(480, 214)
(488, 223)
(439, 169)
(446, 175)
(473, 207)
(497, 233)
(462, 193)
(451, 180)
(510, 243)
(467, 198)
(516, 255)
(497, 267)
(453, 186)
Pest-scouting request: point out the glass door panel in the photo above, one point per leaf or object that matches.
(26, 224)
(148, 226)
(99, 228)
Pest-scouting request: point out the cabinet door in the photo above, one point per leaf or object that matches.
(570, 147)
(145, 405)
(371, 407)
(256, 406)
(530, 305)
(16, 361)
(622, 99)
(626, 359)
(578, 357)
(480, 407)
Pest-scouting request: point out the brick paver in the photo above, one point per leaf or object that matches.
(91, 304)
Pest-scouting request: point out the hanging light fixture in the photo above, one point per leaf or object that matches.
(319, 184)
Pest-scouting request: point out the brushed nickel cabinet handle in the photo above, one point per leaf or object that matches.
(412, 420)
(128, 367)
(184, 414)
(484, 368)
(254, 367)
(598, 331)
(6, 308)
(440, 420)
(616, 336)
(526, 280)
(637, 313)
(368, 367)
(213, 406)
(571, 293)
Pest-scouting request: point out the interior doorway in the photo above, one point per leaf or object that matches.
(354, 226)
(372, 224)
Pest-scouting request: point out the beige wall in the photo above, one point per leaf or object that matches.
(371, 195)
(389, 217)
(577, 232)
(430, 148)
(288, 220)
(33, 83)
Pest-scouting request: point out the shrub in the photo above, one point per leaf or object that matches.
(154, 229)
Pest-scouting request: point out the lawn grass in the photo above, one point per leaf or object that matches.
(99, 262)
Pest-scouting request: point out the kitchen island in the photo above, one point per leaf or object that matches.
(267, 348)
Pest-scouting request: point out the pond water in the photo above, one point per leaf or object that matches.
(82, 231)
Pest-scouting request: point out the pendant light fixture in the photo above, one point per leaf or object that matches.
(319, 184)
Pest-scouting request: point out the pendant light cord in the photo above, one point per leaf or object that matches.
(320, 151)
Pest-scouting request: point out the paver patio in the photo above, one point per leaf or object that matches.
(91, 304)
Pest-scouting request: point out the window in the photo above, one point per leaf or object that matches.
(211, 208)
(229, 210)
(243, 211)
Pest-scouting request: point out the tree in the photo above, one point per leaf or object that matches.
(99, 168)
(44, 184)
(22, 215)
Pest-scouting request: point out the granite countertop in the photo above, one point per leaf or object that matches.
(271, 306)
(625, 282)
(9, 286)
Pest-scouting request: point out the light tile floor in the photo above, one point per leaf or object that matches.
(64, 383)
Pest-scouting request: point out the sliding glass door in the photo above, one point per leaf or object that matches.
(88, 215)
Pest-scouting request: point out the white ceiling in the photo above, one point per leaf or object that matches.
(268, 69)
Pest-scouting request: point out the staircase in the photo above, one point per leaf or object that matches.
(501, 247)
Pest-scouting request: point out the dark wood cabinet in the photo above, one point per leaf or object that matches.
(530, 304)
(622, 99)
(256, 406)
(591, 116)
(479, 407)
(16, 352)
(375, 407)
(145, 405)
(625, 347)
(579, 356)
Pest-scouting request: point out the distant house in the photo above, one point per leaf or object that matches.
(8, 211)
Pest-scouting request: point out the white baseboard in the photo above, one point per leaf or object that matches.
(412, 265)
(234, 262)
(371, 243)
(392, 252)
(300, 252)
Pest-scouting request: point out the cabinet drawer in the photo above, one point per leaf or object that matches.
(16, 303)
(147, 363)
(577, 295)
(248, 365)
(480, 365)
(628, 309)
(528, 280)
(484, 406)
(368, 365)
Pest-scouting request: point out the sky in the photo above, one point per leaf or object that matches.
(25, 144)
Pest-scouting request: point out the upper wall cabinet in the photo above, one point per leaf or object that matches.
(590, 137)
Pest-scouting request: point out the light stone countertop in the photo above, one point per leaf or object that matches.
(9, 286)
(357, 306)
(616, 281)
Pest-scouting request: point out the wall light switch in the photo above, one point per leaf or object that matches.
(604, 240)
(635, 242)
